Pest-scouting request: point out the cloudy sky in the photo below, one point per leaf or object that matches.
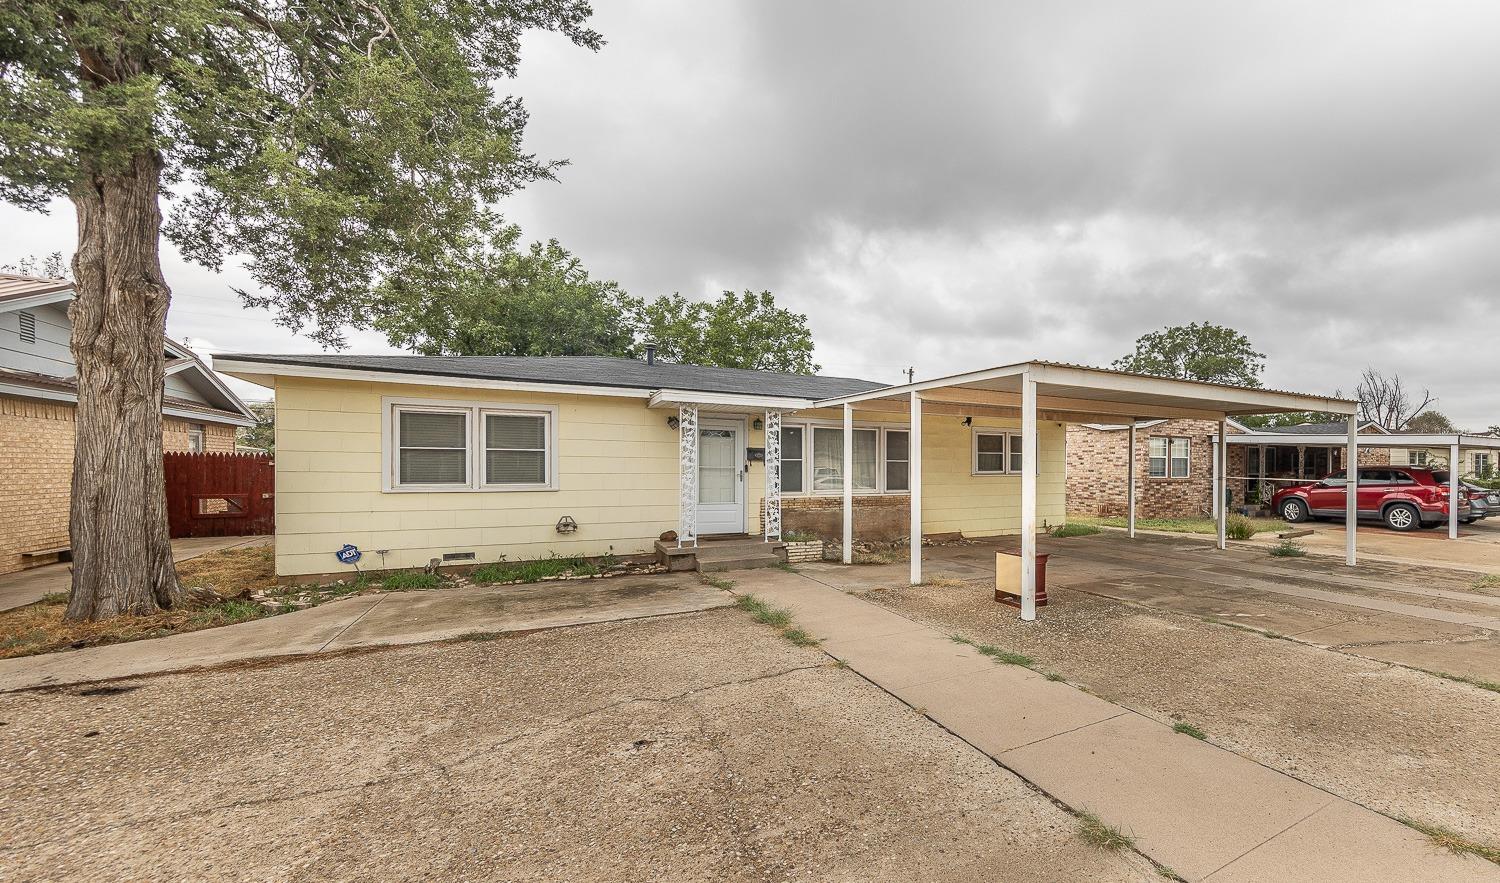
(958, 186)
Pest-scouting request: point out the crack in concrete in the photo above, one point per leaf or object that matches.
(442, 769)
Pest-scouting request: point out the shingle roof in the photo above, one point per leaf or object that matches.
(14, 286)
(69, 386)
(585, 371)
(1337, 428)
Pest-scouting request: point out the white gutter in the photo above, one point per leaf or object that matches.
(238, 367)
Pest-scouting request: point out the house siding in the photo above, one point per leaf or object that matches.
(36, 458)
(617, 478)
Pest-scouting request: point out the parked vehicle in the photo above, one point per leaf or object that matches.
(1483, 502)
(1402, 497)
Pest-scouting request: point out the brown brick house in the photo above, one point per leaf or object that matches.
(38, 393)
(1174, 465)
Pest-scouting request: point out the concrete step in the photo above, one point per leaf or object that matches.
(716, 564)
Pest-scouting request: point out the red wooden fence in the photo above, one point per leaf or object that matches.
(220, 495)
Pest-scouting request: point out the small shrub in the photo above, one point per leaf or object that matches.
(1188, 729)
(408, 581)
(1238, 527)
(1288, 549)
(1073, 529)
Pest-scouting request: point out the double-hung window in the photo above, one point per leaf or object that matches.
(1169, 457)
(473, 447)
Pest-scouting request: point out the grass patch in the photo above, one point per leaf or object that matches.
(1096, 833)
(761, 612)
(1288, 549)
(532, 571)
(785, 567)
(231, 572)
(717, 582)
(1238, 527)
(996, 653)
(410, 581)
(799, 637)
(944, 582)
(1053, 676)
(881, 556)
(1453, 841)
(1074, 529)
(1188, 729)
(1488, 581)
(798, 536)
(39, 628)
(1184, 525)
(1473, 682)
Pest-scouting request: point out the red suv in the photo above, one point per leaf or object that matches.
(1404, 498)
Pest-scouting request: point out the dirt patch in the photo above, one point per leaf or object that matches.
(39, 628)
(1404, 743)
(231, 572)
(699, 747)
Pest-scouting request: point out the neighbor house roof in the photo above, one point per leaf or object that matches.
(45, 386)
(1335, 428)
(19, 292)
(590, 371)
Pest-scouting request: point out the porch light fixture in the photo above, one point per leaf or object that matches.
(566, 524)
(673, 422)
(757, 423)
(968, 421)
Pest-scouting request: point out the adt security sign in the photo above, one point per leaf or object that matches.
(349, 554)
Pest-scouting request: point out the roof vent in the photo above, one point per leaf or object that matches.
(650, 354)
(28, 327)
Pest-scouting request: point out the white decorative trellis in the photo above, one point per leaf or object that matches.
(687, 427)
(773, 476)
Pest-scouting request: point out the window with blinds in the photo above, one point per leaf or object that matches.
(433, 447)
(515, 449)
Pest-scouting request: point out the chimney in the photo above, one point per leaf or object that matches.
(650, 354)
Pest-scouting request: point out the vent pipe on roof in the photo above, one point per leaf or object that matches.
(650, 354)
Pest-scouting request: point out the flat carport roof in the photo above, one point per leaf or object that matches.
(1067, 394)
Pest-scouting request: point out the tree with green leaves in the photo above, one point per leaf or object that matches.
(1198, 351)
(261, 435)
(736, 331)
(1431, 422)
(332, 145)
(492, 299)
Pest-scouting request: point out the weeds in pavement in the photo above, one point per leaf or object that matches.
(717, 582)
(778, 618)
(1188, 729)
(1095, 832)
(799, 637)
(996, 653)
(1492, 686)
(1453, 841)
(1488, 581)
(1288, 549)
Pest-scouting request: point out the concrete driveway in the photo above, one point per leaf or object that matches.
(1477, 548)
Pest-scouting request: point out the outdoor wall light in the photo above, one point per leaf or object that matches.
(673, 422)
(968, 421)
(566, 524)
(757, 423)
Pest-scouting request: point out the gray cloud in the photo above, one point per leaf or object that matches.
(953, 185)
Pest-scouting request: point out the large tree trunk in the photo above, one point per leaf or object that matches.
(122, 556)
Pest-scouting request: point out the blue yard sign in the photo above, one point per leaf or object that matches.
(349, 554)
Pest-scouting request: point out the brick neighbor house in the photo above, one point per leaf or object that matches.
(38, 393)
(1174, 465)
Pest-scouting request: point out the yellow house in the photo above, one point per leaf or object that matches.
(413, 458)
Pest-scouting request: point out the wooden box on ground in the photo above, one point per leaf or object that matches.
(1008, 578)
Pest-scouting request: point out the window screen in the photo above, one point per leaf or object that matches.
(791, 459)
(897, 461)
(515, 449)
(1180, 459)
(1157, 464)
(433, 447)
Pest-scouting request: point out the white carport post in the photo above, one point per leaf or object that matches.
(1453, 463)
(1130, 483)
(848, 484)
(1221, 495)
(1351, 493)
(1028, 496)
(914, 485)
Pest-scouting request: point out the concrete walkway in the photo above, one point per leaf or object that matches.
(372, 620)
(1204, 812)
(28, 586)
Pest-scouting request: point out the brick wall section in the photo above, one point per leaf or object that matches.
(1097, 480)
(36, 458)
(877, 518)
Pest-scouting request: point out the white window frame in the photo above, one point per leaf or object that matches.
(474, 413)
(800, 461)
(1171, 443)
(1476, 459)
(197, 435)
(1005, 452)
(809, 426)
(1416, 458)
(884, 464)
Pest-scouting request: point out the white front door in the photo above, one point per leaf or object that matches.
(721, 478)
